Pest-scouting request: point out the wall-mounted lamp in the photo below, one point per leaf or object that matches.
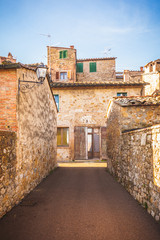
(41, 74)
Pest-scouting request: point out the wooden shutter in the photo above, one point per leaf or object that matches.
(79, 67)
(61, 54)
(80, 151)
(103, 142)
(65, 54)
(57, 75)
(69, 74)
(93, 67)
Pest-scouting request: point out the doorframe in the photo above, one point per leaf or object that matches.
(99, 131)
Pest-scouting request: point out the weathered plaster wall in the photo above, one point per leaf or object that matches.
(8, 90)
(29, 154)
(105, 71)
(153, 78)
(62, 65)
(84, 107)
(140, 167)
(132, 75)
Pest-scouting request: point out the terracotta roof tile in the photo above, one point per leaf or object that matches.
(96, 84)
(95, 59)
(137, 101)
(19, 65)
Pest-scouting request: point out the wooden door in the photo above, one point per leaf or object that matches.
(80, 151)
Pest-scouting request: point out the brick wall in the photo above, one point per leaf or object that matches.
(8, 91)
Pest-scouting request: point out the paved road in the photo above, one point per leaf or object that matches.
(79, 204)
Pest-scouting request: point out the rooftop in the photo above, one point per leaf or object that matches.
(96, 84)
(152, 62)
(95, 59)
(18, 65)
(138, 101)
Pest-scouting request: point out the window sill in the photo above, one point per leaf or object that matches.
(63, 146)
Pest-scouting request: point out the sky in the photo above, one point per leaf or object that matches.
(128, 30)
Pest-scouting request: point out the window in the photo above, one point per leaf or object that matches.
(63, 137)
(56, 97)
(63, 75)
(79, 67)
(93, 67)
(63, 54)
(121, 94)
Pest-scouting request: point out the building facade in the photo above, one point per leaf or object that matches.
(152, 76)
(6, 60)
(83, 89)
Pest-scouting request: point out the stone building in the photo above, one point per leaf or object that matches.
(96, 69)
(133, 147)
(152, 76)
(62, 63)
(28, 128)
(83, 89)
(7, 60)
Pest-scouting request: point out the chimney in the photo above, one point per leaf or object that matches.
(72, 46)
(126, 75)
(141, 69)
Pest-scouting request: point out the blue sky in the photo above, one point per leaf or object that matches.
(130, 28)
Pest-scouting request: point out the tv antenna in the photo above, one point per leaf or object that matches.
(107, 51)
(49, 50)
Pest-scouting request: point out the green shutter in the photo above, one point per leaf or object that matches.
(79, 67)
(61, 54)
(65, 54)
(93, 67)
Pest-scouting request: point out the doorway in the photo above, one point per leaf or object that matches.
(93, 137)
(86, 142)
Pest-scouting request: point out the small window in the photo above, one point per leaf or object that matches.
(56, 97)
(93, 67)
(63, 54)
(120, 94)
(63, 75)
(79, 67)
(63, 137)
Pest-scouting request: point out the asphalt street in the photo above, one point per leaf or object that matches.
(79, 204)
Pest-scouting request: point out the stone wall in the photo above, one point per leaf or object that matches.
(8, 180)
(105, 71)
(140, 167)
(84, 107)
(132, 75)
(120, 119)
(29, 154)
(133, 155)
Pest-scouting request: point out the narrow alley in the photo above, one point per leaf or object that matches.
(79, 204)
